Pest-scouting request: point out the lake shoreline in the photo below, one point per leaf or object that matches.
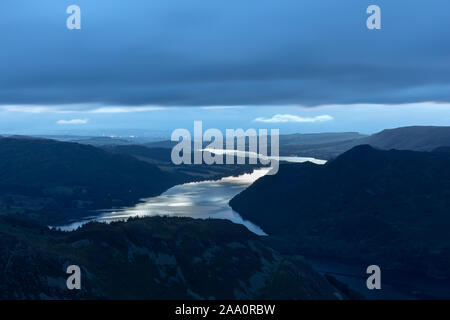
(240, 180)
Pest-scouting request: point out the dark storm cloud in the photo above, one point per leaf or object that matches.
(199, 52)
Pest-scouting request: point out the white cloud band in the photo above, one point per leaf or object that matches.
(283, 118)
(73, 121)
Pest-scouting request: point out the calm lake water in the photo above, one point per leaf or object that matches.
(200, 200)
(254, 155)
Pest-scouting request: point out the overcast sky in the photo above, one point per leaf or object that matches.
(301, 65)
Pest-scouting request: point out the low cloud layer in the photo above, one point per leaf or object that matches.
(223, 53)
(73, 121)
(283, 118)
(87, 108)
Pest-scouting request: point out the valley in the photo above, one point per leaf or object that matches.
(341, 212)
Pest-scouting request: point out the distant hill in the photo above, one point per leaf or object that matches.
(320, 145)
(153, 155)
(167, 144)
(375, 206)
(65, 138)
(161, 157)
(153, 258)
(418, 138)
(49, 180)
(102, 141)
(318, 138)
(329, 146)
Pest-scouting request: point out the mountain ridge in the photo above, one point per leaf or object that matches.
(363, 200)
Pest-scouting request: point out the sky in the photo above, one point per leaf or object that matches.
(143, 67)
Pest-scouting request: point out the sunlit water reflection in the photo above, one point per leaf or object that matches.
(200, 200)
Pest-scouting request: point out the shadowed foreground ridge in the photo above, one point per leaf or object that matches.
(152, 258)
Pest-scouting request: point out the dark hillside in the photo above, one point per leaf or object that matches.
(367, 204)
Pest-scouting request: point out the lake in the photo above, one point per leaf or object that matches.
(199, 200)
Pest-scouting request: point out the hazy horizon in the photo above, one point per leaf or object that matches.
(365, 119)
